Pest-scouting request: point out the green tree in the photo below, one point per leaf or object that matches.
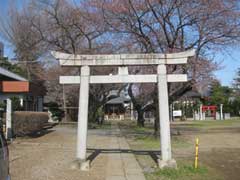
(236, 83)
(220, 95)
(16, 104)
(57, 112)
(15, 68)
(235, 99)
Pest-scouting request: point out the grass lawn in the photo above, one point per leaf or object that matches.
(150, 142)
(105, 125)
(209, 124)
(185, 171)
(143, 139)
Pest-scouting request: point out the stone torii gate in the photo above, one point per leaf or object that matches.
(123, 61)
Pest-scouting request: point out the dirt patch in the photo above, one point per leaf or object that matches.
(226, 161)
(219, 149)
(48, 157)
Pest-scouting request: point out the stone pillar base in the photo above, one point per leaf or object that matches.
(82, 165)
(167, 164)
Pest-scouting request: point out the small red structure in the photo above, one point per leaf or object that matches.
(212, 109)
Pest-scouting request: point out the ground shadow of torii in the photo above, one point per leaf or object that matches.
(95, 152)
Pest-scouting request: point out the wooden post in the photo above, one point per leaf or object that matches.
(9, 133)
(196, 153)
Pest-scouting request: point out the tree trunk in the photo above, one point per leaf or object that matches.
(156, 113)
(137, 106)
(140, 119)
(156, 124)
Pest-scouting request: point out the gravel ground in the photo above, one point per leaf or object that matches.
(49, 156)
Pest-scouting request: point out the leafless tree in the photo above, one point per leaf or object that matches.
(153, 26)
(56, 25)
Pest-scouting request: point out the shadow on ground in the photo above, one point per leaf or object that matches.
(95, 152)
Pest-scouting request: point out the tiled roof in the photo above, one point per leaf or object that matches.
(118, 100)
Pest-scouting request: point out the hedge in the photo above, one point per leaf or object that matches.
(28, 122)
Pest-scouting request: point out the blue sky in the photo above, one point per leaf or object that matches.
(230, 59)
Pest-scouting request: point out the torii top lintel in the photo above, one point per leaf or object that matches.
(122, 59)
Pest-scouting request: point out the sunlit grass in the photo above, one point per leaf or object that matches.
(150, 142)
(185, 171)
(182, 172)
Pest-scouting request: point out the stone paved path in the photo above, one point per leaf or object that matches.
(122, 166)
(49, 157)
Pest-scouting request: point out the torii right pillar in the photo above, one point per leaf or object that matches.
(165, 136)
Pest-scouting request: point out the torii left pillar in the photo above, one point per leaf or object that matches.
(166, 152)
(83, 119)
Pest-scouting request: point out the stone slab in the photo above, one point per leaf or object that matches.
(115, 178)
(147, 78)
(122, 59)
